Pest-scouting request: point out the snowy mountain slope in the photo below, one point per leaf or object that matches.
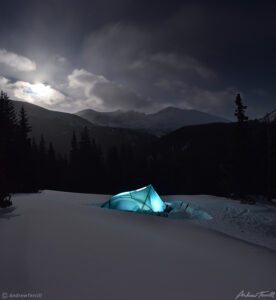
(116, 118)
(164, 121)
(59, 245)
(57, 127)
(270, 116)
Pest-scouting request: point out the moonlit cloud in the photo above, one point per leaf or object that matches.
(189, 54)
(99, 93)
(205, 100)
(125, 53)
(36, 93)
(18, 62)
(85, 80)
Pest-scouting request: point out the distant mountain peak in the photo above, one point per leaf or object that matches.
(166, 120)
(171, 108)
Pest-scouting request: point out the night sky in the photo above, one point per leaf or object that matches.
(139, 55)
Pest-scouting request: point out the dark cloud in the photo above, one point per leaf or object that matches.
(144, 54)
(101, 94)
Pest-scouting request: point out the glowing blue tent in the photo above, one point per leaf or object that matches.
(144, 199)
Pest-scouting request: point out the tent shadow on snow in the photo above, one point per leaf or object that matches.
(147, 201)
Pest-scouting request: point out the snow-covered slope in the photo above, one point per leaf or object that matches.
(271, 117)
(60, 245)
(58, 127)
(252, 223)
(164, 121)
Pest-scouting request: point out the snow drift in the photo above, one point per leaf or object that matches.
(54, 243)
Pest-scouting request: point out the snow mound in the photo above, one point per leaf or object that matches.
(182, 210)
(252, 223)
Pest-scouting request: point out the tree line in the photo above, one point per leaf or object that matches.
(219, 159)
(28, 165)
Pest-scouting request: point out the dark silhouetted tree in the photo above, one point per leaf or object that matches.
(269, 159)
(8, 131)
(17, 172)
(74, 151)
(51, 168)
(240, 152)
(74, 166)
(240, 110)
(42, 163)
(24, 126)
(26, 168)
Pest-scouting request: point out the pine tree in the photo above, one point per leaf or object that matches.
(85, 143)
(24, 126)
(240, 156)
(240, 110)
(8, 128)
(42, 147)
(8, 120)
(35, 164)
(74, 168)
(74, 150)
(51, 168)
(85, 161)
(114, 172)
(34, 148)
(25, 173)
(51, 153)
(42, 163)
(269, 160)
(97, 170)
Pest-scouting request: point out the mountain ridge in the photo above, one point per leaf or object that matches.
(58, 127)
(159, 123)
(271, 117)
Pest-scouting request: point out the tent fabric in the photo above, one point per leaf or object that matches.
(144, 199)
